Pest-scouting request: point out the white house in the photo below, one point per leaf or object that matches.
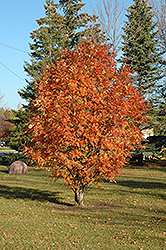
(147, 132)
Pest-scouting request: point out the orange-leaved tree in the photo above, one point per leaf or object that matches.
(85, 118)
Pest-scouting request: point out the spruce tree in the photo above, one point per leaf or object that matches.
(17, 137)
(78, 24)
(158, 116)
(140, 46)
(62, 27)
(48, 40)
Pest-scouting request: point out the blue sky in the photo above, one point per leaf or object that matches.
(17, 20)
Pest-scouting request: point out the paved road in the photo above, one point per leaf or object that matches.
(6, 152)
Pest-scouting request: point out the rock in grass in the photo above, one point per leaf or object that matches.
(18, 167)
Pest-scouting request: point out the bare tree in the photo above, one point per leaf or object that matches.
(1, 98)
(5, 114)
(111, 16)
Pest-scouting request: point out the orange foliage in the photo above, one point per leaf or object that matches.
(84, 120)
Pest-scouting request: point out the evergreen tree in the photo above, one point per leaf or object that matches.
(62, 27)
(161, 118)
(17, 139)
(140, 46)
(78, 24)
(56, 32)
(47, 43)
(157, 115)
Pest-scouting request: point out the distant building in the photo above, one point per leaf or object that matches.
(147, 132)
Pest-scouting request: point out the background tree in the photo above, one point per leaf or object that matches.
(111, 17)
(140, 46)
(84, 120)
(63, 26)
(1, 97)
(17, 139)
(5, 114)
(11, 131)
(47, 43)
(79, 24)
(159, 114)
(159, 9)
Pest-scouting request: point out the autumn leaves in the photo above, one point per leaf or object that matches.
(84, 120)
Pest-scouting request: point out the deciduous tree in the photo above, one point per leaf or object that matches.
(111, 17)
(1, 98)
(5, 115)
(84, 120)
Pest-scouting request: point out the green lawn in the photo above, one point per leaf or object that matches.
(36, 213)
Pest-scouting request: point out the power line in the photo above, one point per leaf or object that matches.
(11, 71)
(20, 50)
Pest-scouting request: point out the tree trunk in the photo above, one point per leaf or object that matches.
(79, 196)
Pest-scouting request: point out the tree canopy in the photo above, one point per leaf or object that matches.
(85, 117)
(140, 45)
(63, 26)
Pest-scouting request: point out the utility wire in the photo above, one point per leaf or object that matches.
(20, 50)
(11, 71)
(13, 48)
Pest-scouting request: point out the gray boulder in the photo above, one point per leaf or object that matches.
(18, 167)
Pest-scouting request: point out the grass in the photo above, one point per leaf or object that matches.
(37, 213)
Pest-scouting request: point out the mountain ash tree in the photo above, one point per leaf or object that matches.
(84, 119)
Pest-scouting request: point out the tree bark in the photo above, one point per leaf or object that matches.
(79, 196)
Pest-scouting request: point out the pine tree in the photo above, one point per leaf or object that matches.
(16, 137)
(161, 118)
(77, 24)
(62, 27)
(56, 32)
(140, 46)
(158, 111)
(47, 43)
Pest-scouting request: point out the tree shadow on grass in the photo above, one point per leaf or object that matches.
(159, 165)
(4, 171)
(53, 197)
(142, 184)
(31, 194)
